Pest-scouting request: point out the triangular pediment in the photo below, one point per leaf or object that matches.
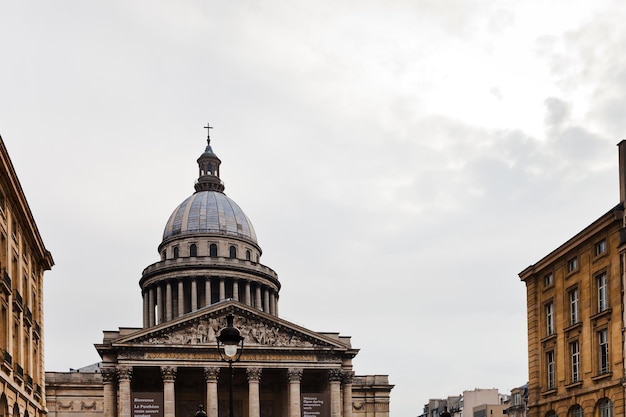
(259, 330)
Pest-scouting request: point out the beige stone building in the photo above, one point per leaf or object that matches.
(210, 266)
(23, 260)
(575, 308)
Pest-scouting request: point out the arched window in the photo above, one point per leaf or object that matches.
(193, 250)
(606, 407)
(232, 252)
(575, 411)
(247, 255)
(175, 252)
(213, 250)
(551, 413)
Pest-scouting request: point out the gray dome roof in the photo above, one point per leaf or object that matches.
(209, 212)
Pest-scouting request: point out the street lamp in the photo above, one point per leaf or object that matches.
(230, 345)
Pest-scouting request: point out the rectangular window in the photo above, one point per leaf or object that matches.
(603, 342)
(549, 319)
(573, 306)
(601, 247)
(548, 280)
(572, 264)
(550, 369)
(574, 348)
(603, 300)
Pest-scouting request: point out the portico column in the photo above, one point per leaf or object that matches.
(236, 289)
(348, 377)
(169, 400)
(124, 375)
(273, 304)
(266, 301)
(257, 298)
(110, 398)
(211, 375)
(334, 378)
(254, 376)
(159, 316)
(222, 289)
(207, 292)
(181, 298)
(248, 296)
(151, 303)
(194, 295)
(168, 301)
(146, 309)
(295, 376)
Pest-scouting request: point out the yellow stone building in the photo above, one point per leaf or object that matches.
(575, 308)
(23, 260)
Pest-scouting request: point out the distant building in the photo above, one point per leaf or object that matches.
(462, 405)
(518, 402)
(489, 410)
(23, 260)
(209, 268)
(575, 324)
(476, 397)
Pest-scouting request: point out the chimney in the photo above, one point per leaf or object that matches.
(622, 172)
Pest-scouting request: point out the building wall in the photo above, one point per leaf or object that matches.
(23, 260)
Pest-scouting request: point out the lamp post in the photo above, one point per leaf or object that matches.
(230, 345)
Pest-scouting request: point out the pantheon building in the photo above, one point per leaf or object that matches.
(209, 268)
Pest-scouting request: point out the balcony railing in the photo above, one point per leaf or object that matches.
(18, 373)
(28, 317)
(5, 283)
(7, 362)
(17, 300)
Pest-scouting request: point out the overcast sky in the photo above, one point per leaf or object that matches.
(401, 161)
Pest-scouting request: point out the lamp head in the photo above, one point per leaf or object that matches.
(230, 340)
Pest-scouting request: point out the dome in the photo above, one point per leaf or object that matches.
(209, 212)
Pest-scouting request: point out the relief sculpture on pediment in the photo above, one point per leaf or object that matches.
(204, 332)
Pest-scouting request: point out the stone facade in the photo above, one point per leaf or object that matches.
(575, 320)
(23, 260)
(210, 268)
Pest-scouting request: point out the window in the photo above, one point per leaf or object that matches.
(603, 300)
(247, 255)
(603, 341)
(573, 306)
(232, 252)
(193, 250)
(601, 247)
(550, 369)
(572, 264)
(574, 348)
(163, 255)
(517, 399)
(213, 250)
(549, 319)
(547, 280)
(606, 408)
(175, 252)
